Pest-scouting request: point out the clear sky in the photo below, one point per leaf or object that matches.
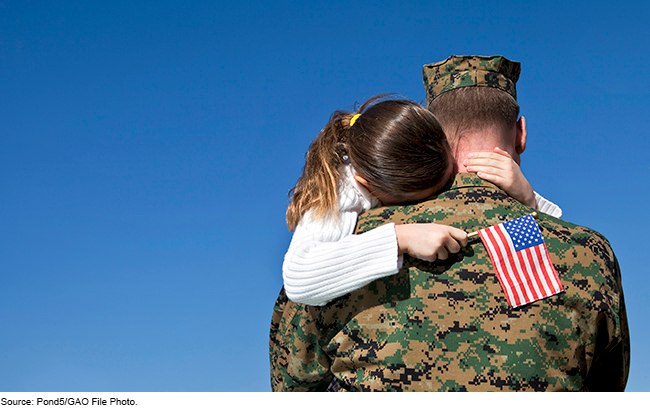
(147, 148)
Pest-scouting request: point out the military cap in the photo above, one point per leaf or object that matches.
(465, 71)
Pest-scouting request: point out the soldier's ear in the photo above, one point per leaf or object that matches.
(520, 144)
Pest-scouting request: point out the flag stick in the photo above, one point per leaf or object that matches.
(472, 235)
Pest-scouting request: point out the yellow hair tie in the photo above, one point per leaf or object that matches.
(354, 119)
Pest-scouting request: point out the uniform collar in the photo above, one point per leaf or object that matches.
(465, 180)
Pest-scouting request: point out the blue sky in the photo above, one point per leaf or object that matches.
(147, 149)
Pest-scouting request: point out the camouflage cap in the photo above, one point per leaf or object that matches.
(465, 71)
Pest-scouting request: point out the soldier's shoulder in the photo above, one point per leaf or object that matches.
(583, 257)
(571, 233)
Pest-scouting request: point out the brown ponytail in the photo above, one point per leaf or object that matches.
(398, 146)
(317, 188)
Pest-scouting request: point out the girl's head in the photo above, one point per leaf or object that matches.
(399, 151)
(397, 148)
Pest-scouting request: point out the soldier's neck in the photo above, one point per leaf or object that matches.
(484, 141)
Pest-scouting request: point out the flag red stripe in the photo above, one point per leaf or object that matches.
(542, 275)
(536, 269)
(550, 272)
(531, 273)
(526, 279)
(527, 275)
(494, 252)
(506, 263)
(542, 268)
(510, 260)
(503, 269)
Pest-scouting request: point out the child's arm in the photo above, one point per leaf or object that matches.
(499, 168)
(325, 260)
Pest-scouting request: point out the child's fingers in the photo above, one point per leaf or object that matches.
(502, 152)
(459, 235)
(489, 164)
(473, 167)
(489, 159)
(496, 175)
(485, 166)
(452, 243)
(498, 155)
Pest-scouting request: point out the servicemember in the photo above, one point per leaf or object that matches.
(447, 325)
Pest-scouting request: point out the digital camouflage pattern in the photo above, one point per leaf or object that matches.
(466, 71)
(446, 326)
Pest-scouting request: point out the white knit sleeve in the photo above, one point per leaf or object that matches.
(326, 260)
(546, 206)
(317, 271)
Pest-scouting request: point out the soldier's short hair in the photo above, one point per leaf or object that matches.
(474, 108)
(468, 93)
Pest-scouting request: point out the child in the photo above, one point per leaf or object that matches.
(389, 152)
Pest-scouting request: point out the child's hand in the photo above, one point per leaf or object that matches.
(429, 241)
(499, 168)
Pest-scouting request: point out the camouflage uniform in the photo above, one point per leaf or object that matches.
(446, 326)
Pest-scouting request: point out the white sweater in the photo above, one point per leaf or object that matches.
(326, 260)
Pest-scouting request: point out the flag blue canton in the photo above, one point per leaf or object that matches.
(524, 232)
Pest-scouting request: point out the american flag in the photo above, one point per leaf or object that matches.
(521, 260)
